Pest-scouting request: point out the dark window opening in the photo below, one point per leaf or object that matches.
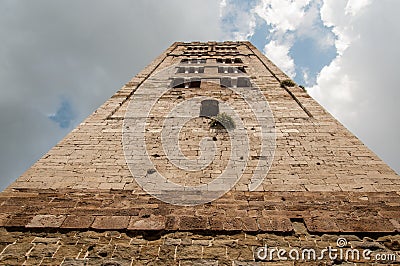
(231, 70)
(197, 48)
(178, 83)
(225, 48)
(229, 60)
(193, 61)
(182, 83)
(190, 70)
(198, 61)
(199, 70)
(243, 82)
(196, 70)
(195, 83)
(209, 108)
(241, 70)
(226, 82)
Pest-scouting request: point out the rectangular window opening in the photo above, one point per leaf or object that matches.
(243, 82)
(226, 82)
(195, 83)
(178, 83)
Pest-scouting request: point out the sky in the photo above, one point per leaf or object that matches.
(60, 60)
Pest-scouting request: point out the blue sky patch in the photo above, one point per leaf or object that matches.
(308, 56)
(64, 115)
(261, 34)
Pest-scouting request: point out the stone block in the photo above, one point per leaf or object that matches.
(154, 222)
(111, 222)
(189, 252)
(274, 224)
(77, 222)
(193, 223)
(49, 221)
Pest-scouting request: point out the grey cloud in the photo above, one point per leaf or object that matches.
(373, 62)
(82, 51)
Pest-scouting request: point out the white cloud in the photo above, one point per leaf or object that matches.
(309, 27)
(334, 87)
(355, 6)
(309, 79)
(237, 19)
(222, 7)
(289, 21)
(279, 54)
(360, 86)
(341, 15)
(284, 15)
(251, 25)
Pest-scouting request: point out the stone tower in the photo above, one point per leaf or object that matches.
(206, 157)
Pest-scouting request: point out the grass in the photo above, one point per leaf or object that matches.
(222, 120)
(287, 83)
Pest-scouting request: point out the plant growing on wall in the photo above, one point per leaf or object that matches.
(287, 83)
(222, 120)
